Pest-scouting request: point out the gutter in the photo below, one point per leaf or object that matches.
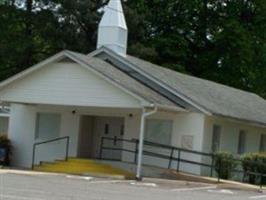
(141, 138)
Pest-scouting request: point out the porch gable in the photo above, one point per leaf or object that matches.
(66, 83)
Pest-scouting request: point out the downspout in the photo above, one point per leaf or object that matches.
(141, 138)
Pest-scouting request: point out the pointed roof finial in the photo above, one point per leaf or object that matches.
(116, 5)
(112, 30)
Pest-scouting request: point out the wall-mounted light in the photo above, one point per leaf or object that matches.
(130, 115)
(73, 112)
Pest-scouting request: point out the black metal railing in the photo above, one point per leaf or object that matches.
(50, 141)
(176, 154)
(113, 147)
(173, 151)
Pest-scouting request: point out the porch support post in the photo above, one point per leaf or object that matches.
(141, 138)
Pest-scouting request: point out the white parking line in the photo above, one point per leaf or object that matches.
(193, 188)
(221, 191)
(144, 184)
(258, 197)
(111, 181)
(80, 177)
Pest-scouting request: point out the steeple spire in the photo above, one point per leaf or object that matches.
(112, 30)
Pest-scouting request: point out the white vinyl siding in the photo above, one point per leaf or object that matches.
(47, 126)
(159, 131)
(242, 142)
(67, 84)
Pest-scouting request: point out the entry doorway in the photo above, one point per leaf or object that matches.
(92, 129)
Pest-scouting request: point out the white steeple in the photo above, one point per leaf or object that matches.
(112, 30)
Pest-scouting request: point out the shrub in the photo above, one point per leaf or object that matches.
(254, 163)
(224, 162)
(5, 147)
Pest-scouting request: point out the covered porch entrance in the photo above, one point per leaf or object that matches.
(76, 135)
(58, 132)
(85, 128)
(93, 129)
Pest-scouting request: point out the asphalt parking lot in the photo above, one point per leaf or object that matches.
(66, 187)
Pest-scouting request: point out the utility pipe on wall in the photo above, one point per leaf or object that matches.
(141, 138)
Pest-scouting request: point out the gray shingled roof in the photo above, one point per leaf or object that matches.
(124, 80)
(217, 98)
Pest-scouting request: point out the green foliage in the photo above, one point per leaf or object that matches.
(224, 163)
(220, 40)
(256, 163)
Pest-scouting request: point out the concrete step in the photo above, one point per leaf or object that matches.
(73, 161)
(64, 164)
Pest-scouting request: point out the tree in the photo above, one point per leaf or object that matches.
(220, 40)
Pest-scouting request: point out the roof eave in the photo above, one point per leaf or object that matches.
(33, 68)
(242, 120)
(171, 108)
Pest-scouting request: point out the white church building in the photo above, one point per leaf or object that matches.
(109, 93)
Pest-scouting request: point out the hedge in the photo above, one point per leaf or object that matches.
(224, 163)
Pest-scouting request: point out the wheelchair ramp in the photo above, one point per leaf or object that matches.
(78, 166)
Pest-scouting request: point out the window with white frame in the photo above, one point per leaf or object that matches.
(263, 143)
(47, 125)
(159, 131)
(216, 138)
(242, 142)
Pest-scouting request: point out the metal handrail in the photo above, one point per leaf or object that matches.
(170, 157)
(169, 147)
(178, 159)
(46, 142)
